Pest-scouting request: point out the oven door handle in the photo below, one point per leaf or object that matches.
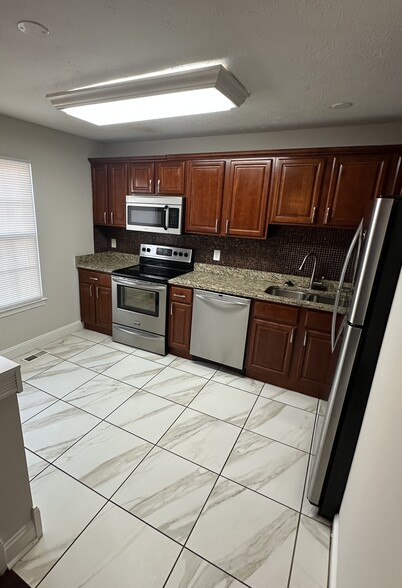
(140, 284)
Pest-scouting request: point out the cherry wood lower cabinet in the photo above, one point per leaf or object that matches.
(290, 347)
(96, 301)
(180, 313)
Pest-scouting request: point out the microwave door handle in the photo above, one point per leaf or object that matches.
(166, 218)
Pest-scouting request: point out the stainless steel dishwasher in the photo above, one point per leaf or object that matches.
(219, 327)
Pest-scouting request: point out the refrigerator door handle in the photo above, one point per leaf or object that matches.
(356, 242)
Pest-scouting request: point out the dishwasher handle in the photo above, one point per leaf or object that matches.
(219, 301)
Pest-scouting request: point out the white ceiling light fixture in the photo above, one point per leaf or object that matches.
(209, 89)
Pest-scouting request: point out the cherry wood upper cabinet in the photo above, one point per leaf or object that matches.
(246, 198)
(100, 194)
(355, 181)
(109, 189)
(204, 195)
(141, 178)
(117, 189)
(297, 189)
(170, 177)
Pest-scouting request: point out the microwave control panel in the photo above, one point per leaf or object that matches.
(174, 218)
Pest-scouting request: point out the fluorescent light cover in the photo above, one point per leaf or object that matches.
(153, 107)
(210, 89)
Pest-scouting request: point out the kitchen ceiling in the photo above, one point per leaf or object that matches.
(295, 57)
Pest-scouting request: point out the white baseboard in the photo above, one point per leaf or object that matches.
(333, 555)
(41, 341)
(21, 542)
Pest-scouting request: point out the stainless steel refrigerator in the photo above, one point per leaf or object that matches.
(373, 264)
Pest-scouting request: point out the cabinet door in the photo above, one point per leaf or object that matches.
(246, 198)
(141, 178)
(170, 177)
(270, 351)
(180, 328)
(315, 372)
(296, 195)
(99, 194)
(117, 189)
(355, 181)
(87, 303)
(103, 297)
(204, 196)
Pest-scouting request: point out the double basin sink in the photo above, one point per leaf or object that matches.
(300, 295)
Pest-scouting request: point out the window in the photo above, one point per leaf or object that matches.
(20, 278)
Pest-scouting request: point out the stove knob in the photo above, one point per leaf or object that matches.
(143, 249)
(175, 253)
(148, 250)
(181, 253)
(186, 255)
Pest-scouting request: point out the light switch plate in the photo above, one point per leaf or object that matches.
(113, 243)
(217, 255)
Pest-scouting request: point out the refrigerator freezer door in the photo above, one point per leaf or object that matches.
(327, 424)
(370, 257)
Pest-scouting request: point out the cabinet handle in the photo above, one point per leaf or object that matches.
(216, 225)
(305, 339)
(150, 185)
(313, 214)
(227, 226)
(94, 279)
(111, 217)
(97, 291)
(90, 290)
(171, 309)
(104, 218)
(326, 215)
(291, 336)
(159, 186)
(179, 295)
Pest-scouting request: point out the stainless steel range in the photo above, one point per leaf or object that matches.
(139, 296)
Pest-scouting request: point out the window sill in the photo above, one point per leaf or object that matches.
(23, 307)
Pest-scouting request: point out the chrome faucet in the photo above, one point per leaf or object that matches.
(314, 267)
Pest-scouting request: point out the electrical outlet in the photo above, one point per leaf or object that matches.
(113, 243)
(217, 255)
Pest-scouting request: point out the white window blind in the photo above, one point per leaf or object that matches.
(20, 278)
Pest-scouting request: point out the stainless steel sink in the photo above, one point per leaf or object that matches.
(300, 295)
(295, 294)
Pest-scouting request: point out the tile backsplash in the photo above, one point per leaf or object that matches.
(281, 252)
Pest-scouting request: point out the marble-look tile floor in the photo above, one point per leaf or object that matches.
(162, 472)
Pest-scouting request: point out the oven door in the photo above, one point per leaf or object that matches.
(139, 304)
(149, 217)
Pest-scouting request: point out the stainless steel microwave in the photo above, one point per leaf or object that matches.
(155, 214)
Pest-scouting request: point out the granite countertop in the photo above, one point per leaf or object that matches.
(228, 280)
(105, 262)
(250, 284)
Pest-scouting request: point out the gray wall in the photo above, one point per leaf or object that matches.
(379, 134)
(62, 188)
(370, 540)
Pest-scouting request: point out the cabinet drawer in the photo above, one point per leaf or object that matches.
(95, 278)
(278, 313)
(318, 320)
(178, 294)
